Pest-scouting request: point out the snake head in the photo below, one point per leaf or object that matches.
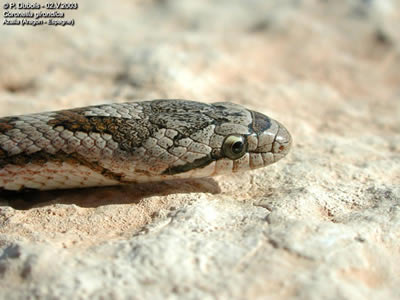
(261, 141)
(238, 139)
(272, 142)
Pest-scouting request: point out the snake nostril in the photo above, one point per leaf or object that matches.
(281, 148)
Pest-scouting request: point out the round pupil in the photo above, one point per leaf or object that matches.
(237, 147)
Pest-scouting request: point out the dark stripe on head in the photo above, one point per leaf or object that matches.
(198, 163)
(260, 122)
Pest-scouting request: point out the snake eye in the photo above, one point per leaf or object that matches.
(234, 146)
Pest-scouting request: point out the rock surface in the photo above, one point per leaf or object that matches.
(323, 223)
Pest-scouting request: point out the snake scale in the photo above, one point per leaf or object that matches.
(145, 141)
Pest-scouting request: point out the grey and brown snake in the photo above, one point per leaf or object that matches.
(135, 142)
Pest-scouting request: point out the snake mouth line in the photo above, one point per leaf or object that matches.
(198, 163)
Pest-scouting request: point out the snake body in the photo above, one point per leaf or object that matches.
(145, 141)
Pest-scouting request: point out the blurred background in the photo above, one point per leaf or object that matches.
(282, 54)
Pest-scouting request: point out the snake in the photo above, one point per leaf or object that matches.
(135, 142)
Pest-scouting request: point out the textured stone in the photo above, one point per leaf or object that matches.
(323, 223)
